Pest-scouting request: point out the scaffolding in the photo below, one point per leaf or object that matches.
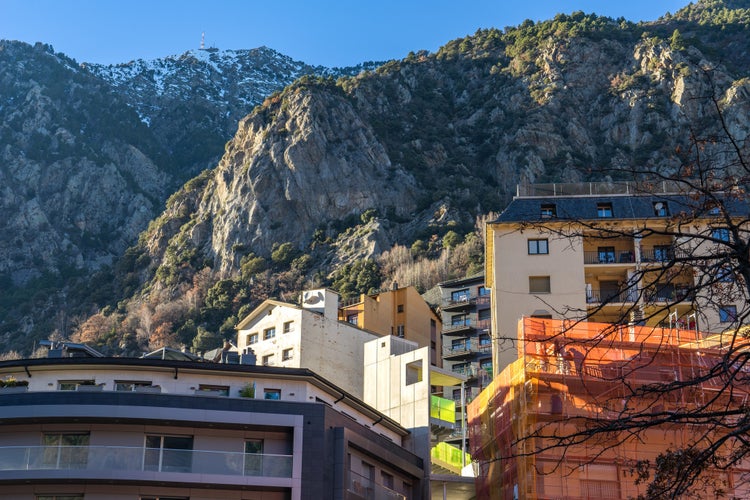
(573, 375)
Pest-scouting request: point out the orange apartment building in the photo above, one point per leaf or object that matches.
(562, 382)
(401, 312)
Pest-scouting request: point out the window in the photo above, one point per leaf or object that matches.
(268, 360)
(287, 354)
(606, 255)
(539, 284)
(483, 291)
(352, 318)
(288, 326)
(131, 385)
(460, 320)
(727, 314)
(662, 253)
(548, 210)
(720, 233)
(725, 274)
(221, 390)
(274, 394)
(460, 295)
(386, 480)
(254, 457)
(604, 210)
(252, 339)
(661, 209)
(485, 340)
(65, 450)
(400, 331)
(59, 497)
(484, 314)
(400, 308)
(72, 385)
(414, 372)
(538, 247)
(269, 333)
(164, 498)
(168, 453)
(486, 365)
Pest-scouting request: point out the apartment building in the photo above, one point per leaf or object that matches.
(467, 343)
(562, 382)
(610, 253)
(401, 312)
(146, 429)
(308, 335)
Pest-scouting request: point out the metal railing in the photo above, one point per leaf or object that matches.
(611, 296)
(598, 188)
(119, 459)
(466, 347)
(368, 489)
(609, 257)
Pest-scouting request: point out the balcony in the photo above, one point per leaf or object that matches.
(449, 457)
(470, 372)
(611, 296)
(466, 348)
(609, 257)
(459, 303)
(665, 253)
(365, 488)
(469, 394)
(443, 410)
(126, 463)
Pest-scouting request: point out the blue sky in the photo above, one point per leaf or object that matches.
(327, 32)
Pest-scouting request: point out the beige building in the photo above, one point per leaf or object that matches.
(401, 312)
(566, 252)
(306, 336)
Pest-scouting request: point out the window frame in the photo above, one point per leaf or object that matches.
(269, 333)
(287, 327)
(272, 394)
(663, 211)
(727, 313)
(267, 360)
(533, 246)
(721, 233)
(604, 210)
(63, 450)
(252, 338)
(162, 448)
(287, 354)
(540, 280)
(548, 210)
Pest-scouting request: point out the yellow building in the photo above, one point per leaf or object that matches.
(605, 253)
(401, 312)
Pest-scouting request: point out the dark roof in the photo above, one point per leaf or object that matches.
(623, 207)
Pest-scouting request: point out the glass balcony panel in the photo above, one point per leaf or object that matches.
(134, 459)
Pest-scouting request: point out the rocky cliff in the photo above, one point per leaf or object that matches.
(327, 174)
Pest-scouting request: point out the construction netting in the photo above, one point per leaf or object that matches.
(570, 375)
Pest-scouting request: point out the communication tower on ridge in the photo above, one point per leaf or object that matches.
(203, 40)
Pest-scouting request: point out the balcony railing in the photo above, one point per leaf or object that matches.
(467, 371)
(368, 489)
(118, 459)
(443, 409)
(611, 296)
(662, 254)
(609, 257)
(466, 347)
(598, 188)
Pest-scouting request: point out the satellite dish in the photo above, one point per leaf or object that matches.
(312, 298)
(659, 206)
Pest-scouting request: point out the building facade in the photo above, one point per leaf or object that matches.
(467, 342)
(306, 336)
(401, 312)
(564, 251)
(562, 383)
(144, 429)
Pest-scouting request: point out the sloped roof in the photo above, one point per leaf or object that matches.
(623, 207)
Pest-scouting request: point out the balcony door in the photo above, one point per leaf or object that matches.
(65, 451)
(168, 453)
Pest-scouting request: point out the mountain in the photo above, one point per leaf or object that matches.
(91, 153)
(192, 102)
(351, 181)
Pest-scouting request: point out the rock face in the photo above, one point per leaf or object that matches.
(314, 162)
(425, 144)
